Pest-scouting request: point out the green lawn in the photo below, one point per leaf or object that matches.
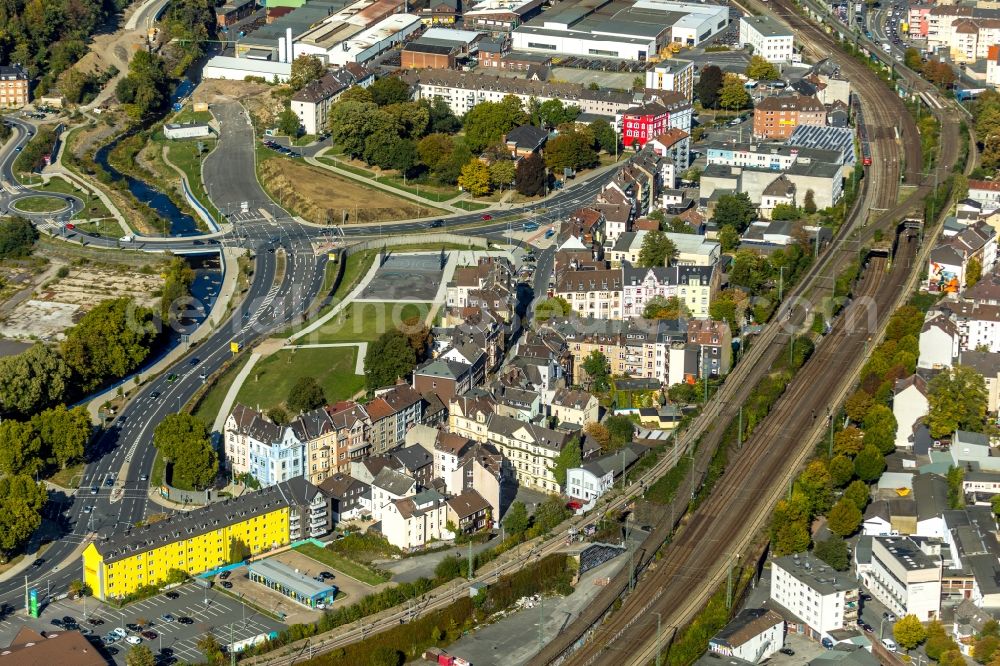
(209, 406)
(69, 477)
(272, 378)
(184, 155)
(94, 207)
(304, 140)
(106, 227)
(341, 564)
(364, 322)
(189, 115)
(430, 192)
(471, 205)
(40, 204)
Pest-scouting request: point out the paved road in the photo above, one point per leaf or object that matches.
(11, 191)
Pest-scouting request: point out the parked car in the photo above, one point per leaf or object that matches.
(133, 640)
(889, 644)
(132, 626)
(95, 621)
(789, 651)
(69, 619)
(149, 635)
(171, 595)
(227, 585)
(119, 632)
(168, 618)
(827, 643)
(185, 620)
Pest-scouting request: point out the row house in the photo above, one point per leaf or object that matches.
(714, 341)
(585, 223)
(592, 293)
(352, 425)
(669, 110)
(393, 411)
(469, 512)
(320, 436)
(694, 286)
(414, 461)
(466, 465)
(443, 378)
(349, 498)
(253, 445)
(388, 486)
(777, 117)
(531, 449)
(978, 325)
(574, 406)
(518, 403)
(618, 211)
(467, 279)
(469, 415)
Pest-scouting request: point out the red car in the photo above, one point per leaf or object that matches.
(487, 217)
(71, 227)
(149, 635)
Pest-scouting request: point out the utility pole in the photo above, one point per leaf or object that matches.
(470, 561)
(781, 281)
(232, 652)
(739, 430)
(659, 640)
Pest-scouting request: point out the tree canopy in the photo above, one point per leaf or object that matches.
(844, 518)
(733, 96)
(834, 552)
(571, 149)
(709, 85)
(183, 440)
(143, 92)
(305, 394)
(487, 122)
(735, 209)
(21, 504)
(109, 342)
(17, 237)
(305, 70)
(568, 458)
(957, 400)
(530, 177)
(389, 358)
(909, 632)
(604, 135)
(657, 250)
(390, 90)
(32, 380)
(597, 369)
(760, 69)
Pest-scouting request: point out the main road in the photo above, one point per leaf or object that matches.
(123, 452)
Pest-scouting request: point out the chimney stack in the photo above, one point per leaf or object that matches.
(291, 45)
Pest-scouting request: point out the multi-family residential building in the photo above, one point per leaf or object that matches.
(939, 341)
(443, 378)
(647, 121)
(988, 365)
(909, 406)
(592, 293)
(904, 578)
(315, 428)
(413, 521)
(693, 286)
(393, 411)
(352, 425)
(389, 486)
(985, 192)
(948, 263)
(767, 37)
(753, 635)
(463, 90)
(822, 599)
(203, 539)
(253, 445)
(596, 477)
(469, 512)
(978, 325)
(414, 461)
(312, 103)
(824, 179)
(777, 117)
(448, 451)
(467, 280)
(469, 415)
(531, 450)
(574, 406)
(349, 497)
(672, 74)
(674, 146)
(14, 90)
(714, 342)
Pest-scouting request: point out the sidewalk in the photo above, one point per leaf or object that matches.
(234, 389)
(335, 310)
(57, 168)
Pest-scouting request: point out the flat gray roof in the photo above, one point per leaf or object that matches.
(767, 26)
(284, 575)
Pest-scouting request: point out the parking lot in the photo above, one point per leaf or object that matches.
(209, 610)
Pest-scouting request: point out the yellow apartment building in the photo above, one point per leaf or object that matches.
(203, 539)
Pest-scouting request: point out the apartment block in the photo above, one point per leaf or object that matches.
(822, 599)
(904, 578)
(14, 92)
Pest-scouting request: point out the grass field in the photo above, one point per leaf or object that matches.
(69, 477)
(435, 193)
(471, 205)
(342, 564)
(365, 322)
(40, 204)
(272, 378)
(107, 227)
(184, 155)
(93, 206)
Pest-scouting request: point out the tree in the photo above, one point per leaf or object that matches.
(816, 486)
(140, 655)
(389, 358)
(386, 656)
(733, 95)
(604, 135)
(448, 569)
(659, 307)
(857, 405)
(939, 73)
(305, 394)
(956, 491)
(736, 210)
(143, 91)
(277, 416)
(64, 433)
(750, 270)
(844, 518)
(709, 85)
(858, 493)
(841, 471)
(183, 441)
(434, 150)
(974, 272)
(985, 647)
(176, 295)
(418, 334)
(531, 175)
(938, 641)
(475, 178)
(502, 173)
(880, 429)
(620, 429)
(209, 646)
(761, 70)
(848, 441)
(909, 632)
(351, 123)
(791, 538)
(109, 342)
(783, 212)
(834, 552)
(557, 306)
(869, 464)
(516, 520)
(549, 514)
(657, 250)
(809, 204)
(32, 380)
(571, 149)
(440, 117)
(729, 238)
(288, 123)
(390, 90)
(20, 448)
(486, 122)
(912, 59)
(305, 70)
(597, 369)
(569, 457)
(600, 434)
(21, 503)
(552, 113)
(411, 117)
(723, 308)
(957, 400)
(17, 238)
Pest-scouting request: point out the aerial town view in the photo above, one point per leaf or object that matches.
(499, 332)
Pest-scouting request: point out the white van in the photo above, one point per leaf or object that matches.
(889, 644)
(128, 238)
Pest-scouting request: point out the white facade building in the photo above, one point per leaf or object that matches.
(824, 599)
(186, 130)
(412, 522)
(768, 38)
(904, 578)
(268, 452)
(753, 635)
(909, 404)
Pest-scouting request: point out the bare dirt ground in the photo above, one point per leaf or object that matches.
(58, 304)
(259, 98)
(312, 193)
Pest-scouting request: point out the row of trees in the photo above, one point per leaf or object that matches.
(53, 437)
(986, 114)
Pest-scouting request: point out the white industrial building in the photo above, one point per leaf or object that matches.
(379, 38)
(823, 599)
(768, 38)
(904, 578)
(186, 130)
(753, 635)
(624, 29)
(238, 69)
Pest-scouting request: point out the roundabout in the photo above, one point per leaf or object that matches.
(40, 204)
